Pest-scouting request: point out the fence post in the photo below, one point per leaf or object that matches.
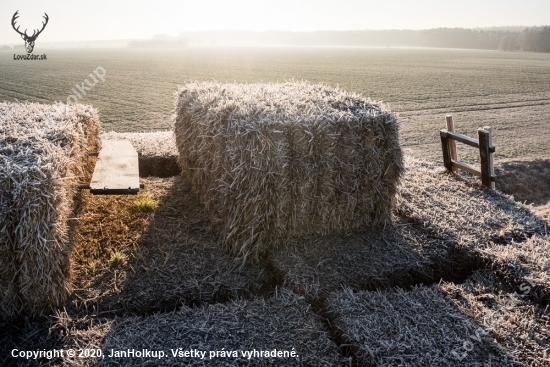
(446, 151)
(452, 143)
(484, 154)
(491, 165)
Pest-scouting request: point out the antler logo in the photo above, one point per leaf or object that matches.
(29, 40)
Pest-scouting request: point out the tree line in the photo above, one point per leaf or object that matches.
(532, 39)
(514, 38)
(535, 39)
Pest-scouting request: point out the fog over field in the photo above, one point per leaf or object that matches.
(507, 90)
(425, 59)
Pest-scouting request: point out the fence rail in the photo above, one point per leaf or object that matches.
(486, 149)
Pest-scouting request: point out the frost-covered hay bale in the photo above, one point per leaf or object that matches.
(364, 260)
(524, 265)
(283, 323)
(418, 327)
(273, 161)
(43, 157)
(461, 209)
(505, 316)
(158, 155)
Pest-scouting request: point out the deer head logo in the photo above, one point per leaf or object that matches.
(29, 40)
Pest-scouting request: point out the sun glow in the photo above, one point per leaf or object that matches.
(103, 19)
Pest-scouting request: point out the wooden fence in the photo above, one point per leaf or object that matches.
(486, 149)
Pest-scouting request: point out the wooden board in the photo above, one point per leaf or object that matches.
(467, 167)
(463, 139)
(116, 170)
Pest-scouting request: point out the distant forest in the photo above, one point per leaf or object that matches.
(504, 38)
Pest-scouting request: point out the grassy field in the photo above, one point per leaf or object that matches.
(509, 91)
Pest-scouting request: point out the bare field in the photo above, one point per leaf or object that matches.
(509, 91)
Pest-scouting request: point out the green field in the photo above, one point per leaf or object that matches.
(509, 91)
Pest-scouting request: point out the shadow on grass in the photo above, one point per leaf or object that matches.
(176, 261)
(402, 254)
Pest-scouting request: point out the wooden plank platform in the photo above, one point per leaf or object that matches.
(116, 171)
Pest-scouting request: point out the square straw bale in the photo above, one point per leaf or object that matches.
(524, 264)
(275, 161)
(418, 327)
(43, 157)
(284, 322)
(476, 216)
(158, 155)
(507, 316)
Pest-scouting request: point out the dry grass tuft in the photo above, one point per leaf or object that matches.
(419, 327)
(92, 266)
(274, 161)
(117, 258)
(44, 156)
(145, 202)
(511, 321)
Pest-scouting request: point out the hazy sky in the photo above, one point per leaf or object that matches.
(130, 19)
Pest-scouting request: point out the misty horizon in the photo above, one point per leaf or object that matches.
(108, 20)
(218, 32)
(505, 38)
